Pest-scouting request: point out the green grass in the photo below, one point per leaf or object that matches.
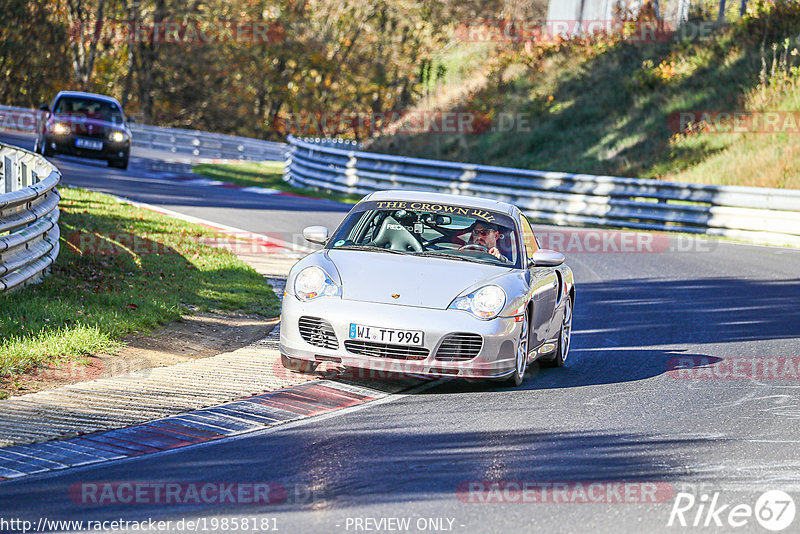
(604, 108)
(268, 174)
(100, 290)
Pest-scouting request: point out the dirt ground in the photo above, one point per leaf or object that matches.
(196, 336)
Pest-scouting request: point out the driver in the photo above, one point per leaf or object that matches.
(486, 235)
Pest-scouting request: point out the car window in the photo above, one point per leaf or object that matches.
(452, 232)
(89, 108)
(531, 245)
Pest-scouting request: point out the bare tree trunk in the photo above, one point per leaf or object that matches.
(148, 57)
(683, 11)
(83, 58)
(743, 8)
(721, 16)
(127, 87)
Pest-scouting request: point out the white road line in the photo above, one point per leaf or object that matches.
(230, 230)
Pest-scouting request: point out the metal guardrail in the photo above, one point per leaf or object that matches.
(174, 140)
(759, 215)
(206, 145)
(28, 217)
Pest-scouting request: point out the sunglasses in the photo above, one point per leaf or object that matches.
(483, 232)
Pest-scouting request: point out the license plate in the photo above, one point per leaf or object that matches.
(411, 338)
(89, 143)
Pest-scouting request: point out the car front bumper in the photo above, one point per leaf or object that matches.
(65, 144)
(496, 358)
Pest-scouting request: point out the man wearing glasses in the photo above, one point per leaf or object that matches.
(485, 235)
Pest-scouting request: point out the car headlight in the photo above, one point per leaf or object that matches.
(312, 282)
(485, 303)
(60, 128)
(117, 137)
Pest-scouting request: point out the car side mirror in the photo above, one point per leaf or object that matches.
(130, 119)
(546, 258)
(316, 234)
(44, 107)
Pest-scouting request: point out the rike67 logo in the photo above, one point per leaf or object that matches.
(773, 510)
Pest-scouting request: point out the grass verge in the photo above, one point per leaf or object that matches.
(267, 174)
(613, 107)
(121, 269)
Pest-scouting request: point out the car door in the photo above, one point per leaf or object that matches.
(544, 283)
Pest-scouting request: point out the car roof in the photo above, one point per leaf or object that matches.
(93, 96)
(442, 198)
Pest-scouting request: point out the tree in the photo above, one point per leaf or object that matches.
(85, 35)
(33, 60)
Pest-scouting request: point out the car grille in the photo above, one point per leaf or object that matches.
(94, 134)
(318, 332)
(384, 350)
(459, 347)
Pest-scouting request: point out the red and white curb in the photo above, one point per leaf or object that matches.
(226, 420)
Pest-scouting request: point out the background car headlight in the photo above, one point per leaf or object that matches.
(312, 282)
(117, 137)
(60, 128)
(485, 303)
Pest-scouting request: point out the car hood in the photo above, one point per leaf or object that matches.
(407, 280)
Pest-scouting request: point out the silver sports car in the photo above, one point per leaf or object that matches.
(429, 284)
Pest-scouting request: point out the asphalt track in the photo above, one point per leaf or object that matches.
(680, 381)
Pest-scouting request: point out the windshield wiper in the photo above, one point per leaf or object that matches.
(370, 249)
(451, 256)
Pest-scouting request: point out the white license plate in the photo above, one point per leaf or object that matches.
(89, 143)
(411, 338)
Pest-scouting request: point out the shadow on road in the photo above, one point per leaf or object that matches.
(621, 328)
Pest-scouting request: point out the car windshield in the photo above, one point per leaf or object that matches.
(89, 108)
(430, 229)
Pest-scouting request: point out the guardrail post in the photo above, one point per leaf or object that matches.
(24, 175)
(8, 175)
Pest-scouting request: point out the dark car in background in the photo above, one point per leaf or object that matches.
(86, 125)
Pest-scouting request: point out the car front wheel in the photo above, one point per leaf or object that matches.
(44, 150)
(564, 337)
(521, 361)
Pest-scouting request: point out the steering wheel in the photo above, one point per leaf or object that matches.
(474, 246)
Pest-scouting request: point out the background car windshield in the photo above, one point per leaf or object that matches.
(89, 108)
(454, 232)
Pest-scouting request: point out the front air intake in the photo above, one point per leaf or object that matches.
(318, 332)
(459, 347)
(385, 350)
